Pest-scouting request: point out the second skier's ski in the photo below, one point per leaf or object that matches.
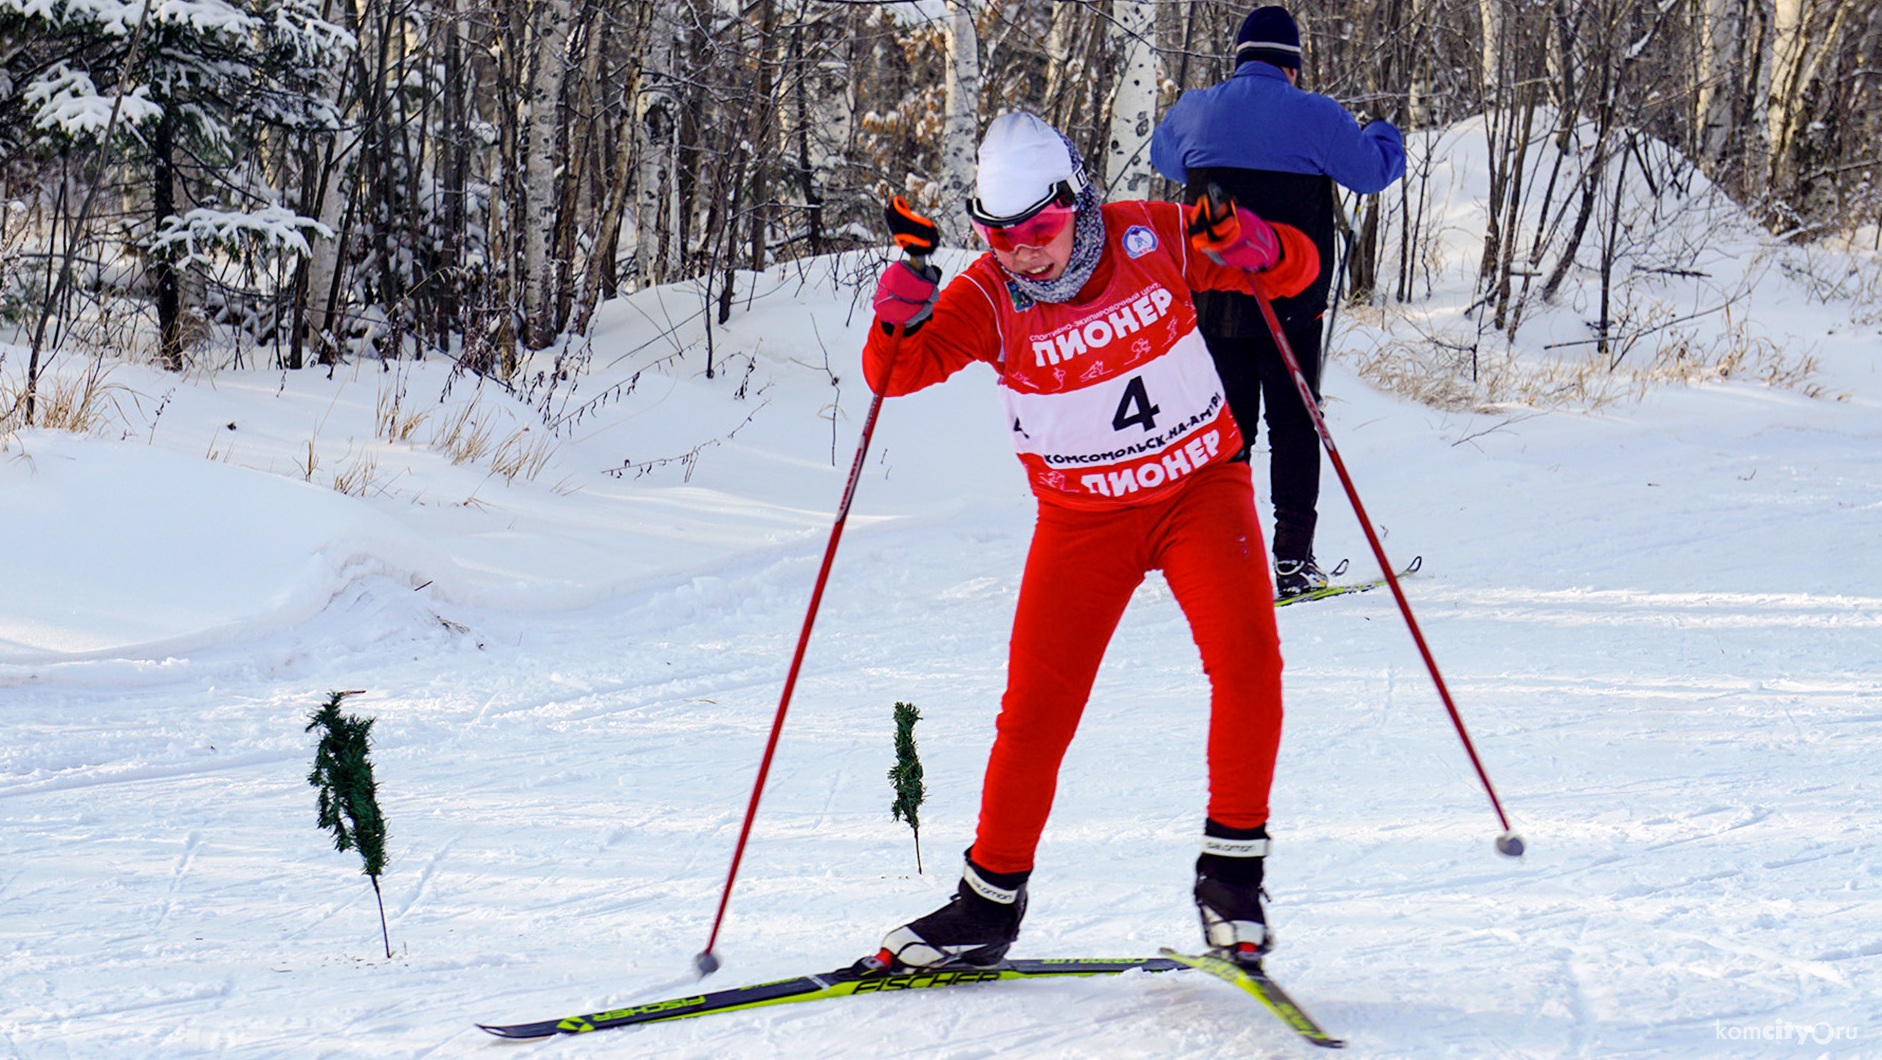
(1326, 591)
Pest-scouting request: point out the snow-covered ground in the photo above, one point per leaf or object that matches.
(1661, 619)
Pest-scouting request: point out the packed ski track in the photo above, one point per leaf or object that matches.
(1661, 622)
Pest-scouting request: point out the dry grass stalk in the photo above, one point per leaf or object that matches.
(464, 435)
(306, 467)
(392, 421)
(82, 403)
(357, 477)
(1438, 373)
(522, 453)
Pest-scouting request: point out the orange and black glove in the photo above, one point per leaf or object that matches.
(1229, 234)
(916, 235)
(907, 291)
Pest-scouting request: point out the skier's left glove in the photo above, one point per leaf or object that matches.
(1231, 235)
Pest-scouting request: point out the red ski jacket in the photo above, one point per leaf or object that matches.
(1113, 397)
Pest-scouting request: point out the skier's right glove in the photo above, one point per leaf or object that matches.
(1231, 235)
(906, 293)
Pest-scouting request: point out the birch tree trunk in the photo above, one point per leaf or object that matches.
(503, 296)
(961, 130)
(761, 134)
(453, 161)
(329, 164)
(1419, 86)
(623, 182)
(1782, 100)
(1066, 80)
(321, 309)
(1127, 169)
(1803, 33)
(1721, 74)
(656, 148)
(1490, 18)
(583, 132)
(542, 98)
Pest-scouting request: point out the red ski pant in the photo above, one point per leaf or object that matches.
(1080, 573)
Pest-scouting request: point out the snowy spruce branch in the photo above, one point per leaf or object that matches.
(65, 100)
(349, 796)
(271, 231)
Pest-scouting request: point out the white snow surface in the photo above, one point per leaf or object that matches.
(1661, 621)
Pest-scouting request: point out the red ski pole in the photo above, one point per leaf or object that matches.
(1509, 843)
(919, 237)
(707, 962)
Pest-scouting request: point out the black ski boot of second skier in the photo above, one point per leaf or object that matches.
(1228, 893)
(973, 930)
(1297, 577)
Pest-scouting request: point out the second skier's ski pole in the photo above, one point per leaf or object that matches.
(918, 237)
(1508, 843)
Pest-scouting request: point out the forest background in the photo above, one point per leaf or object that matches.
(252, 183)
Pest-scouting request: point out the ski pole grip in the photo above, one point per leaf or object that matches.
(1211, 219)
(916, 235)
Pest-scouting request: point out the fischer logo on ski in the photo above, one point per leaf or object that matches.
(924, 980)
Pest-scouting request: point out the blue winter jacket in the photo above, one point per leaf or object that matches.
(1257, 120)
(1278, 151)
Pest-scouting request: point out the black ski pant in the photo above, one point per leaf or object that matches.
(1251, 368)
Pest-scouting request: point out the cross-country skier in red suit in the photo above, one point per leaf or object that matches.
(1083, 311)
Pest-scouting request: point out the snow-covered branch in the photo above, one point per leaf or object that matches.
(66, 100)
(271, 230)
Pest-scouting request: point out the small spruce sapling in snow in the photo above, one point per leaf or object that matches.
(906, 774)
(349, 802)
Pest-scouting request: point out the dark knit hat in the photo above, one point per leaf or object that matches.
(1269, 34)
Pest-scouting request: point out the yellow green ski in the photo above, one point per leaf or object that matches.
(1252, 979)
(866, 977)
(1338, 589)
(859, 978)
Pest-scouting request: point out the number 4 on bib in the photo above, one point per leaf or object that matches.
(1135, 407)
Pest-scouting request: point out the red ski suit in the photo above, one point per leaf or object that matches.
(1120, 420)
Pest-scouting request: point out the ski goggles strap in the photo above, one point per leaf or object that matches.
(1064, 193)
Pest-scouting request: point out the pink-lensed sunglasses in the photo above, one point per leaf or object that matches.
(1035, 231)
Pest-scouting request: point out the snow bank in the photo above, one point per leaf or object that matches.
(120, 548)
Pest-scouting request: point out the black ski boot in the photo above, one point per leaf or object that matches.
(973, 930)
(1292, 577)
(1228, 892)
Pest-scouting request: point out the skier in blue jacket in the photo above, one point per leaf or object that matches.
(1277, 150)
